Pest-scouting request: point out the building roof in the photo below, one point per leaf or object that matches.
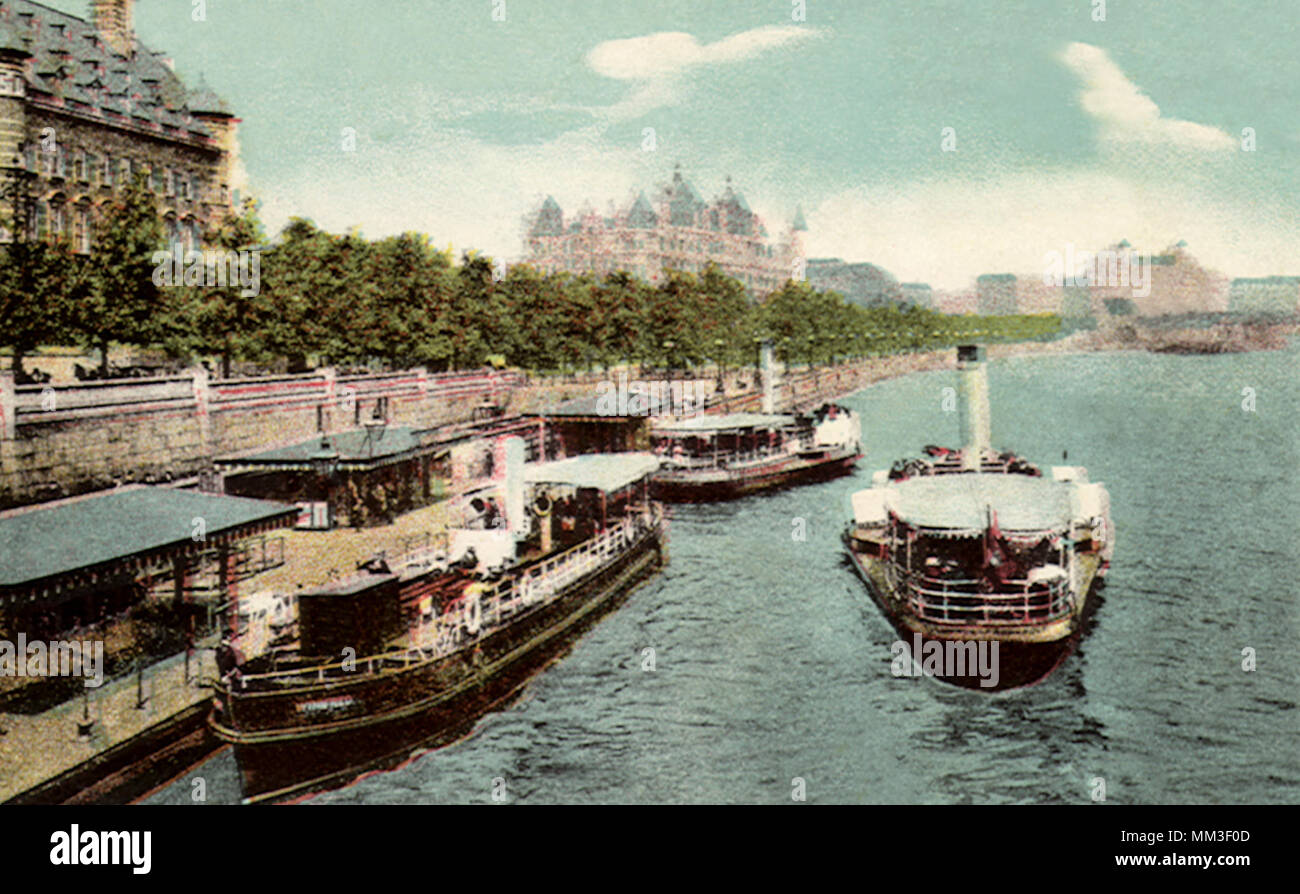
(68, 51)
(641, 215)
(46, 542)
(604, 471)
(963, 501)
(356, 447)
(729, 422)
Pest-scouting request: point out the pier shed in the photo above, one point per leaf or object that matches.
(580, 426)
(355, 478)
(89, 560)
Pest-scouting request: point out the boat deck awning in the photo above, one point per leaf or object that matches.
(967, 502)
(45, 549)
(699, 425)
(607, 472)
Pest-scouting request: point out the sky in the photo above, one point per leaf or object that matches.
(1168, 120)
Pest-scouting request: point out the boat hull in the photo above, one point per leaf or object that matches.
(1025, 657)
(435, 703)
(691, 487)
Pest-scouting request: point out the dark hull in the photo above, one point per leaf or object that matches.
(442, 700)
(1020, 663)
(670, 488)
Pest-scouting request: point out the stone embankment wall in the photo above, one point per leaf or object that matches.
(57, 441)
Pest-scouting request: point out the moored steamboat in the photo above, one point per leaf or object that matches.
(406, 656)
(721, 457)
(971, 553)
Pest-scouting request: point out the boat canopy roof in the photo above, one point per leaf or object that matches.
(731, 422)
(962, 502)
(604, 471)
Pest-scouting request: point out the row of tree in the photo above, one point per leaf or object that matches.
(400, 301)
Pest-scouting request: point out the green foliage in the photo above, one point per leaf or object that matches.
(400, 302)
(122, 303)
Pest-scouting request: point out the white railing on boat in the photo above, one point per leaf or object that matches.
(500, 601)
(966, 603)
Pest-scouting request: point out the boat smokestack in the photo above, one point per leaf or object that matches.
(974, 405)
(508, 464)
(769, 376)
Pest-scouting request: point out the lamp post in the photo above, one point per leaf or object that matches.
(325, 463)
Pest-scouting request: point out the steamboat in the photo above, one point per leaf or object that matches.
(407, 654)
(722, 457)
(970, 549)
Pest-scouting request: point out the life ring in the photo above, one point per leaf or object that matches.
(542, 504)
(473, 610)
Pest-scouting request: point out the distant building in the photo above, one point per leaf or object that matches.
(863, 284)
(1178, 284)
(917, 293)
(84, 107)
(676, 230)
(1265, 295)
(996, 294)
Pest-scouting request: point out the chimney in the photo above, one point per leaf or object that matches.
(112, 19)
(974, 405)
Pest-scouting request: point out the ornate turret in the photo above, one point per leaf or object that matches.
(204, 104)
(14, 54)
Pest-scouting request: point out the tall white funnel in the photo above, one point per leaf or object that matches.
(973, 409)
(769, 376)
(509, 464)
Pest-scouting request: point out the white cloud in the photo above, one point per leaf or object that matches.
(656, 62)
(459, 189)
(947, 233)
(1125, 113)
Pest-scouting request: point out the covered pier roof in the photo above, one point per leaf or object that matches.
(357, 449)
(44, 549)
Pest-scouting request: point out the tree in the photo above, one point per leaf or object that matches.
(41, 280)
(122, 302)
(222, 320)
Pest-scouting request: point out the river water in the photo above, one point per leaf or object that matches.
(771, 665)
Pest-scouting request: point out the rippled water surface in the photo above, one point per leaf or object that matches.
(771, 662)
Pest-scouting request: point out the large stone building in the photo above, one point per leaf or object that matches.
(860, 283)
(677, 230)
(1169, 283)
(84, 107)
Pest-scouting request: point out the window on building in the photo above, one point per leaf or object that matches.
(92, 168)
(126, 171)
(57, 218)
(156, 176)
(106, 174)
(29, 154)
(81, 230)
(42, 218)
